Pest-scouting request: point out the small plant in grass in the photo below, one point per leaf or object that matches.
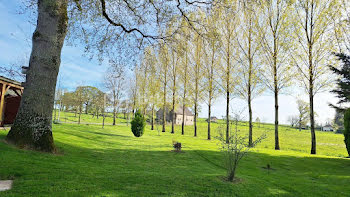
(236, 148)
(177, 146)
(138, 124)
(347, 130)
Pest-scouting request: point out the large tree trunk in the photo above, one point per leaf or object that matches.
(33, 125)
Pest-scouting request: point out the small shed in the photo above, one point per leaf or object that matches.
(10, 98)
(327, 128)
(213, 119)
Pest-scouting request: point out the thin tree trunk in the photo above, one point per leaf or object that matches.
(80, 110)
(164, 107)
(184, 99)
(195, 118)
(209, 114)
(152, 119)
(312, 120)
(250, 121)
(227, 116)
(114, 115)
(250, 93)
(183, 120)
(173, 104)
(114, 107)
(173, 115)
(275, 80)
(277, 145)
(33, 124)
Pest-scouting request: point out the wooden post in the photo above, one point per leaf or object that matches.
(2, 102)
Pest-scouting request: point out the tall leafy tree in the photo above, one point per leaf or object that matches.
(304, 111)
(174, 75)
(164, 69)
(114, 82)
(211, 61)
(197, 77)
(103, 24)
(276, 44)
(184, 71)
(227, 25)
(314, 35)
(250, 43)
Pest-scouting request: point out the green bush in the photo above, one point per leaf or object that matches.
(347, 130)
(138, 124)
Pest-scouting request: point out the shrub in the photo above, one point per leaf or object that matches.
(138, 124)
(347, 130)
(177, 146)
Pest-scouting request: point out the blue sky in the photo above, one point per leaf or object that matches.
(76, 69)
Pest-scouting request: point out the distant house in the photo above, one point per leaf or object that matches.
(178, 115)
(327, 128)
(10, 98)
(213, 119)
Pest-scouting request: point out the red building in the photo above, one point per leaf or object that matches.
(10, 98)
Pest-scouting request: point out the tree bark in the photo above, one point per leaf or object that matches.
(33, 125)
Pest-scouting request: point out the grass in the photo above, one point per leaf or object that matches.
(112, 162)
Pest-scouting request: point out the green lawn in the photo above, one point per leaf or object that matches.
(112, 162)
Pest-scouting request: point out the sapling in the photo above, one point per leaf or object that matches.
(236, 148)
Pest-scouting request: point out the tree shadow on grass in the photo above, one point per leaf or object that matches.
(126, 172)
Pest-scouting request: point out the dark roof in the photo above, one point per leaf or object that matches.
(10, 81)
(178, 111)
(187, 111)
(327, 125)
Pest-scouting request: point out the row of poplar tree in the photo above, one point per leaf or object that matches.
(241, 49)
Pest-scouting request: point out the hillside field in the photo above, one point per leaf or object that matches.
(92, 161)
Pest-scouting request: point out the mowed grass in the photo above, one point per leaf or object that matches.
(112, 162)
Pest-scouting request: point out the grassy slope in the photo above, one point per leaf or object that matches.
(111, 162)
